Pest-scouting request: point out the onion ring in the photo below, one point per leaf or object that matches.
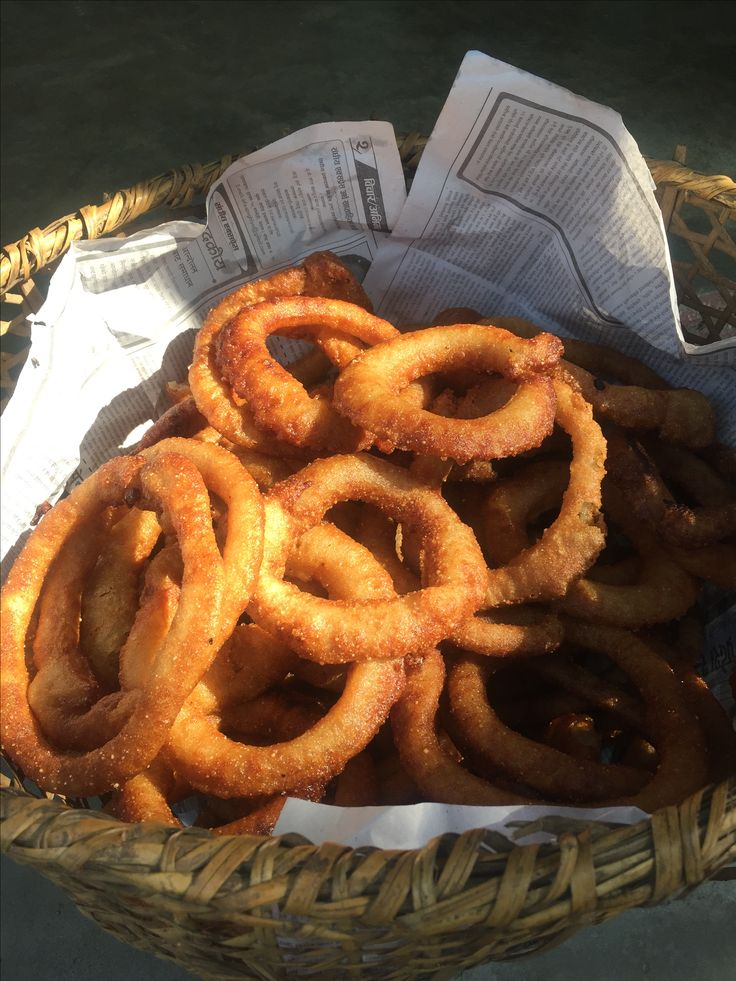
(640, 474)
(679, 415)
(522, 630)
(149, 795)
(716, 563)
(184, 502)
(573, 541)
(547, 770)
(335, 631)
(670, 725)
(413, 720)
(110, 597)
(368, 391)
(322, 274)
(243, 549)
(215, 764)
(481, 400)
(605, 363)
(168, 479)
(64, 693)
(662, 592)
(277, 400)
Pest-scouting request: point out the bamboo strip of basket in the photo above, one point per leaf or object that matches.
(245, 907)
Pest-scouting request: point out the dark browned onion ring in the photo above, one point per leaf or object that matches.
(642, 471)
(414, 722)
(671, 726)
(663, 591)
(553, 774)
(644, 402)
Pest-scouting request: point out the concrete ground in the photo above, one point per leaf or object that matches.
(97, 95)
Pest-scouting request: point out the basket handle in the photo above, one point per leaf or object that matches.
(179, 187)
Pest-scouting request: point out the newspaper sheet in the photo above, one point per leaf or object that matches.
(121, 315)
(529, 201)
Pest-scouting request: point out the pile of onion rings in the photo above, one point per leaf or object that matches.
(461, 564)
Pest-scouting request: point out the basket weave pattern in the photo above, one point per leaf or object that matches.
(274, 908)
(700, 213)
(281, 907)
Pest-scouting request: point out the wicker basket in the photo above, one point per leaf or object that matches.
(281, 907)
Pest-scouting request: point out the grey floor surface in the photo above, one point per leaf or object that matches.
(97, 95)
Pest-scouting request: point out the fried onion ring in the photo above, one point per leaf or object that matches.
(573, 541)
(548, 771)
(510, 632)
(110, 597)
(171, 479)
(149, 796)
(215, 764)
(172, 485)
(368, 391)
(414, 721)
(663, 591)
(337, 631)
(480, 400)
(670, 725)
(321, 275)
(279, 401)
(643, 402)
(642, 472)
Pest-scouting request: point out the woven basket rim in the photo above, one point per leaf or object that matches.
(706, 819)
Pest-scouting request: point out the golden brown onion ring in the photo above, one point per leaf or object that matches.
(321, 275)
(334, 632)
(480, 400)
(149, 796)
(368, 391)
(110, 597)
(172, 485)
(573, 541)
(277, 400)
(521, 630)
(216, 764)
